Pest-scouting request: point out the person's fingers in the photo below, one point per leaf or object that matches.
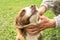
(42, 29)
(32, 29)
(34, 33)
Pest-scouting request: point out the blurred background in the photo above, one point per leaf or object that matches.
(8, 11)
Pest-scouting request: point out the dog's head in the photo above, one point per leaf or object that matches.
(23, 17)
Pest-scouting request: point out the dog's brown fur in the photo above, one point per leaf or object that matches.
(20, 23)
(22, 20)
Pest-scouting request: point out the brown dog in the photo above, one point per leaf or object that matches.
(25, 18)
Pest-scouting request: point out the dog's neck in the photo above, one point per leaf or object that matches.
(35, 37)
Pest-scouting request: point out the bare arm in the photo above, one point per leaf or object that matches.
(45, 5)
(42, 10)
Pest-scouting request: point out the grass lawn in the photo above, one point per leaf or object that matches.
(8, 12)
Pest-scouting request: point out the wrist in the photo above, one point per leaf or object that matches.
(53, 23)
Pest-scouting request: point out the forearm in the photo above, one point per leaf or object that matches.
(42, 10)
(45, 5)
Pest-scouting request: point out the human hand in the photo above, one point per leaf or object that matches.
(32, 29)
(35, 29)
(46, 23)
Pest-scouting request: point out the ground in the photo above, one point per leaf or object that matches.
(8, 12)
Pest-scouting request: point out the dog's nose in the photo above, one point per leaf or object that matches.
(32, 6)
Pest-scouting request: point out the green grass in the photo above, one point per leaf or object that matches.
(8, 12)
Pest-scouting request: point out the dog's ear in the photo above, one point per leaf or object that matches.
(19, 18)
(22, 12)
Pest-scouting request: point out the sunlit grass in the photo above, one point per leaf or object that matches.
(8, 12)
